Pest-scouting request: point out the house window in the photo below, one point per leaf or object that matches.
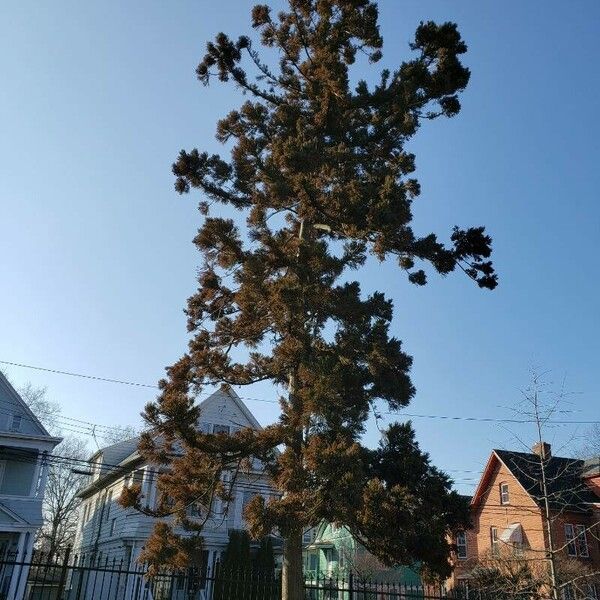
(181, 581)
(461, 545)
(570, 538)
(221, 429)
(41, 474)
(246, 500)
(582, 545)
(15, 424)
(112, 526)
(138, 477)
(568, 593)
(494, 542)
(108, 503)
(504, 495)
(575, 536)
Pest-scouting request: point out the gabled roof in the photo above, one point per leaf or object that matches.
(12, 397)
(230, 393)
(566, 488)
(115, 453)
(122, 457)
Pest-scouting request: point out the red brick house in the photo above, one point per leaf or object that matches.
(508, 510)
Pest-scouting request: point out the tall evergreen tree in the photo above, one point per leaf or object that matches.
(320, 172)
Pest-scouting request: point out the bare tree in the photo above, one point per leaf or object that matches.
(45, 410)
(60, 506)
(502, 576)
(557, 487)
(118, 433)
(592, 442)
(506, 576)
(61, 503)
(60, 499)
(360, 562)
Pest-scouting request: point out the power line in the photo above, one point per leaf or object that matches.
(75, 463)
(400, 414)
(84, 376)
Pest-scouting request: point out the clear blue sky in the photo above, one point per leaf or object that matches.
(96, 100)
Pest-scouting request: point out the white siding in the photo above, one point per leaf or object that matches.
(131, 527)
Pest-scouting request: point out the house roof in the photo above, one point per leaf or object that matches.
(566, 488)
(122, 457)
(16, 397)
(12, 397)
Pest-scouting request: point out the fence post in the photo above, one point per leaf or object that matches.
(63, 574)
(351, 586)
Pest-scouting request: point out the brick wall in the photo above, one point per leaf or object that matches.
(490, 512)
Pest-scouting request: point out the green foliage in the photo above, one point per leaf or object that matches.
(265, 558)
(320, 173)
(233, 574)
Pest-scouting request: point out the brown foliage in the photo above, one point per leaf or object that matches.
(320, 172)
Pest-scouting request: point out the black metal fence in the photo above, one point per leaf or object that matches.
(95, 577)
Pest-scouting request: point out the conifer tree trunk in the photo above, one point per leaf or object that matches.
(292, 577)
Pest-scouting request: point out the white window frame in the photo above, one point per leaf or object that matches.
(109, 497)
(461, 543)
(308, 536)
(494, 541)
(504, 493)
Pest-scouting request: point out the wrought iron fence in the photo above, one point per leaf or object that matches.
(97, 577)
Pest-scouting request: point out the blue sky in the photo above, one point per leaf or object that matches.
(96, 100)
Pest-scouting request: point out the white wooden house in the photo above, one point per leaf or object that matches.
(24, 448)
(108, 532)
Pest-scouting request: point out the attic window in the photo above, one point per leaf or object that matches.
(504, 495)
(221, 429)
(16, 423)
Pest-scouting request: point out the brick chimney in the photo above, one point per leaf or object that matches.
(542, 449)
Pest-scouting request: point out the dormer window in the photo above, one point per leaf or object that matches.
(504, 495)
(15, 424)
